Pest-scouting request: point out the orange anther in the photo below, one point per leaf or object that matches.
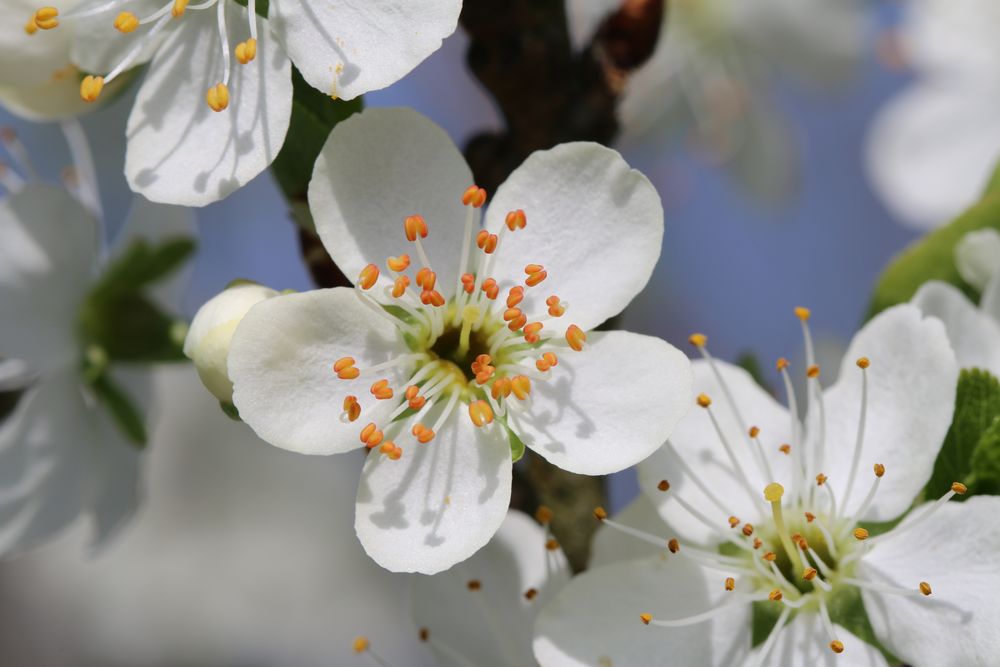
(515, 296)
(809, 573)
(543, 515)
(812, 371)
(516, 220)
(217, 97)
(501, 388)
(246, 51)
(531, 331)
(46, 18)
(785, 449)
(399, 287)
(837, 646)
(511, 314)
(734, 521)
(754, 431)
(415, 226)
(352, 408)
(480, 413)
(533, 268)
(556, 307)
(535, 278)
(575, 337)
(422, 433)
(398, 264)
(775, 595)
(821, 479)
(371, 436)
(663, 485)
(600, 513)
(810, 517)
(673, 545)
(345, 368)
(879, 469)
(757, 542)
(474, 196)
(426, 278)
(517, 322)
(730, 583)
(179, 8)
(381, 390)
(860, 534)
(521, 386)
(411, 392)
(491, 288)
(645, 618)
(431, 298)
(782, 364)
(802, 313)
(491, 244)
(468, 283)
(368, 276)
(481, 238)
(547, 361)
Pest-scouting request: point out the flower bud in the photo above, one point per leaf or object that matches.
(207, 342)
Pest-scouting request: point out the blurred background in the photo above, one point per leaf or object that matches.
(245, 555)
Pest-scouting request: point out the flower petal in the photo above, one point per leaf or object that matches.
(607, 407)
(949, 38)
(977, 256)
(492, 625)
(43, 456)
(27, 60)
(594, 224)
(911, 399)
(595, 619)
(98, 47)
(804, 641)
(974, 335)
(48, 248)
(179, 150)
(356, 46)
(931, 150)
(377, 168)
(440, 503)
(695, 446)
(281, 359)
(612, 546)
(957, 551)
(990, 301)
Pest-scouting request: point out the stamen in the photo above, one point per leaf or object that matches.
(381, 390)
(246, 51)
(46, 18)
(217, 97)
(352, 409)
(835, 644)
(863, 363)
(879, 587)
(363, 646)
(575, 337)
(536, 273)
(422, 433)
(531, 332)
(474, 196)
(521, 386)
(547, 361)
(91, 87)
(706, 403)
(556, 307)
(30, 27)
(516, 220)
(126, 22)
(773, 493)
(345, 368)
(738, 601)
(480, 413)
(179, 7)
(515, 296)
(957, 488)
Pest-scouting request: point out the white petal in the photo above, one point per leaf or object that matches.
(931, 150)
(697, 443)
(584, 17)
(377, 168)
(440, 503)
(491, 627)
(179, 150)
(804, 641)
(977, 255)
(911, 398)
(957, 551)
(27, 60)
(990, 301)
(281, 363)
(594, 224)
(43, 459)
(974, 335)
(595, 619)
(98, 47)
(613, 546)
(949, 37)
(48, 246)
(56, 98)
(607, 407)
(352, 47)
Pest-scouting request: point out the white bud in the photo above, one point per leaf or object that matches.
(208, 339)
(977, 256)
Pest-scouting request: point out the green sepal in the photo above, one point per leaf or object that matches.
(847, 609)
(763, 617)
(260, 7)
(230, 411)
(516, 446)
(933, 257)
(977, 406)
(985, 476)
(127, 417)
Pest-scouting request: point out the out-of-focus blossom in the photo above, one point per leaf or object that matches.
(974, 331)
(801, 544)
(446, 372)
(214, 107)
(933, 147)
(715, 66)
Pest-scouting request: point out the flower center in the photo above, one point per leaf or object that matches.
(217, 96)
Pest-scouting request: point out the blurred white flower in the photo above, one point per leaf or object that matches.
(442, 383)
(932, 148)
(62, 454)
(803, 544)
(974, 331)
(714, 69)
(202, 126)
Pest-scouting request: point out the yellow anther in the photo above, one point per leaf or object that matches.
(863, 363)
(474, 585)
(773, 492)
(785, 449)
(600, 513)
(664, 485)
(703, 400)
(480, 413)
(770, 556)
(91, 87)
(178, 9)
(246, 51)
(754, 431)
(803, 313)
(474, 196)
(398, 264)
(368, 277)
(361, 644)
(381, 390)
(837, 646)
(673, 545)
(126, 22)
(46, 18)
(415, 226)
(809, 574)
(345, 368)
(730, 584)
(352, 408)
(782, 364)
(521, 386)
(860, 534)
(575, 337)
(516, 220)
(645, 618)
(734, 521)
(698, 340)
(775, 595)
(812, 371)
(959, 488)
(748, 529)
(530, 594)
(217, 97)
(31, 27)
(543, 515)
(925, 588)
(551, 544)
(879, 469)
(821, 479)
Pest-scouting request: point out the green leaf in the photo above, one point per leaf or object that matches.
(985, 477)
(933, 257)
(764, 617)
(260, 8)
(125, 414)
(977, 406)
(314, 115)
(129, 327)
(143, 264)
